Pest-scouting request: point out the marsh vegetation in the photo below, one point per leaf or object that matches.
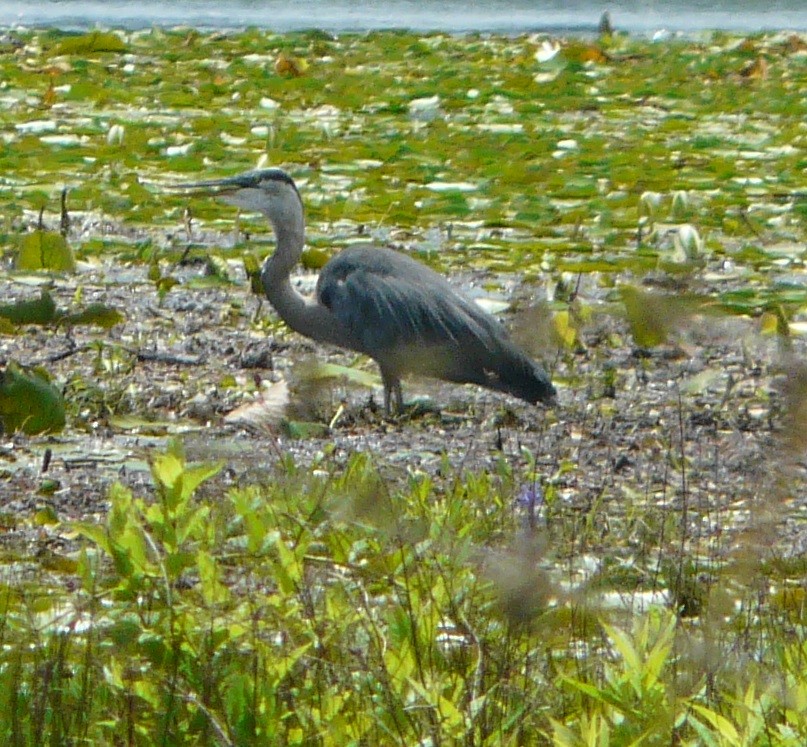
(626, 568)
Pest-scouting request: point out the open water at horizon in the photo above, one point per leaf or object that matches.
(452, 16)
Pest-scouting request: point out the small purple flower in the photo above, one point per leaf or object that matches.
(531, 497)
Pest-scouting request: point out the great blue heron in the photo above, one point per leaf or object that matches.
(381, 303)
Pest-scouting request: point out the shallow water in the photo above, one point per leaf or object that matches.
(504, 16)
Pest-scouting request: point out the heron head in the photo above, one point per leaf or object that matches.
(262, 190)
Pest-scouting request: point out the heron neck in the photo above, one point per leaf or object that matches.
(302, 314)
(289, 241)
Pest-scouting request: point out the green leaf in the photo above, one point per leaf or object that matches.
(193, 477)
(95, 533)
(724, 727)
(314, 259)
(95, 41)
(302, 429)
(29, 402)
(39, 311)
(252, 268)
(213, 590)
(192, 523)
(591, 690)
(131, 552)
(624, 645)
(45, 250)
(176, 563)
(564, 329)
(46, 516)
(653, 316)
(167, 470)
(288, 568)
(321, 370)
(98, 314)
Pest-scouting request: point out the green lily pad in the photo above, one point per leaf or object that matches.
(95, 41)
(299, 429)
(321, 371)
(97, 314)
(314, 259)
(39, 311)
(652, 316)
(45, 250)
(29, 402)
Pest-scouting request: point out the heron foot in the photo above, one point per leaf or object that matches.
(413, 410)
(393, 396)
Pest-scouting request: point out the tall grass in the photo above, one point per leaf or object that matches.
(342, 608)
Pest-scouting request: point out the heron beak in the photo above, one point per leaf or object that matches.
(215, 187)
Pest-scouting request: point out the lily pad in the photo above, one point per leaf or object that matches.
(652, 316)
(321, 371)
(39, 311)
(29, 402)
(95, 41)
(299, 429)
(45, 250)
(97, 314)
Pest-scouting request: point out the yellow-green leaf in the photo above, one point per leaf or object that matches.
(314, 259)
(95, 41)
(567, 334)
(29, 402)
(45, 250)
(98, 314)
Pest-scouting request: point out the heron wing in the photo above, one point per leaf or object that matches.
(392, 307)
(410, 320)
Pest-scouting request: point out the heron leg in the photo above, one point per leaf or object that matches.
(393, 396)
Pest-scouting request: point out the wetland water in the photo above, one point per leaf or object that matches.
(455, 16)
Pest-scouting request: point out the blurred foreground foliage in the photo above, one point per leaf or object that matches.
(333, 609)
